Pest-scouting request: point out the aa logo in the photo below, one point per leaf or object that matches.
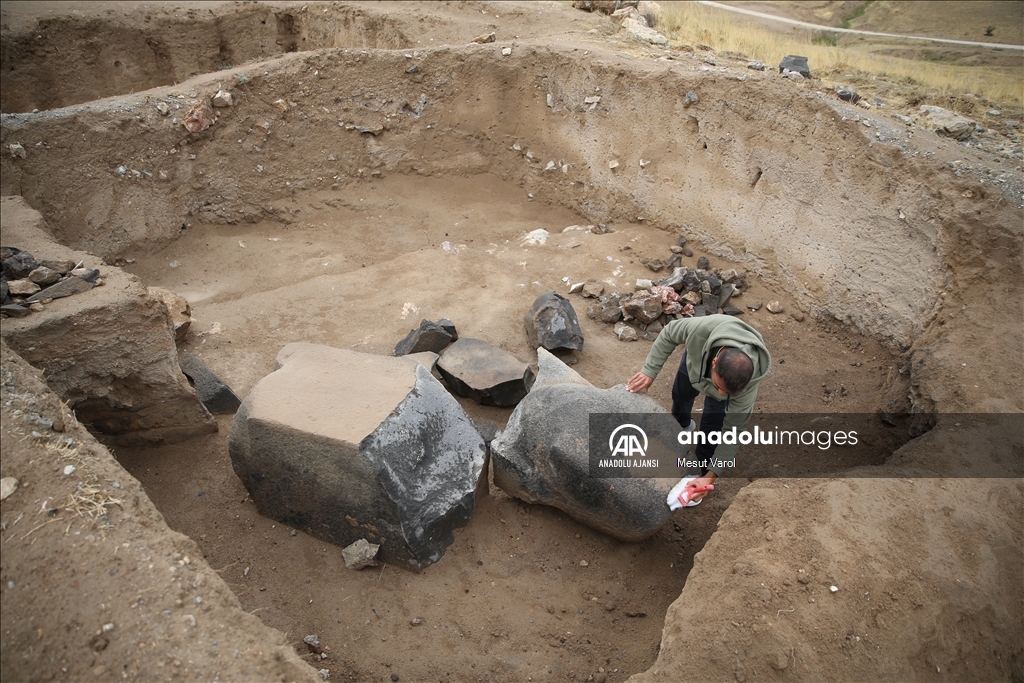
(628, 441)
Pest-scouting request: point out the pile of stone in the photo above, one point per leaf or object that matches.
(643, 314)
(27, 284)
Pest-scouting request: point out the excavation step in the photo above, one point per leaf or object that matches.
(347, 446)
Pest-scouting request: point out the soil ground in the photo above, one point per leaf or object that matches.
(517, 566)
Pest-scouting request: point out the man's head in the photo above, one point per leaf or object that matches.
(731, 370)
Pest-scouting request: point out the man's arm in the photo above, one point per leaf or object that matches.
(672, 335)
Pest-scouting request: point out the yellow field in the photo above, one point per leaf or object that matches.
(907, 80)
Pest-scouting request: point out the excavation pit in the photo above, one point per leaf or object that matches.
(345, 196)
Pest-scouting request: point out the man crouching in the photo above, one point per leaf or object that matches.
(725, 359)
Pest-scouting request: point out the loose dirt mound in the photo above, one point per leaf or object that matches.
(390, 175)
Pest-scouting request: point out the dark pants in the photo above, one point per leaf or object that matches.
(683, 396)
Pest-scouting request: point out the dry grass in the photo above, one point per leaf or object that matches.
(912, 81)
(90, 500)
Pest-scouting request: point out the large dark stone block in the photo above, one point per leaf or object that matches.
(347, 445)
(488, 375)
(542, 456)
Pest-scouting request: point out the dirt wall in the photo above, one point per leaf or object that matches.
(828, 208)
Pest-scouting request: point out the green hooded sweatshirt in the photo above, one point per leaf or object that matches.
(700, 336)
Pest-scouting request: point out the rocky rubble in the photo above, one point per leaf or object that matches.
(684, 292)
(28, 284)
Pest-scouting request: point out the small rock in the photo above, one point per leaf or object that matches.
(199, 117)
(755, 305)
(163, 108)
(848, 94)
(223, 99)
(675, 249)
(313, 643)
(593, 289)
(657, 265)
(37, 307)
(756, 65)
(18, 265)
(8, 485)
(394, 677)
(506, 51)
(66, 287)
(725, 292)
(69, 470)
(797, 316)
(87, 274)
(687, 252)
(625, 333)
(429, 336)
(360, 554)
(793, 75)
(994, 112)
(703, 263)
(325, 674)
(576, 288)
(44, 276)
(17, 150)
(24, 287)
(643, 283)
(691, 97)
(775, 307)
(779, 662)
(416, 621)
(14, 310)
(946, 122)
(643, 306)
(795, 64)
(481, 39)
(732, 310)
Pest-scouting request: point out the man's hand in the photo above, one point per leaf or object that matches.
(709, 478)
(639, 383)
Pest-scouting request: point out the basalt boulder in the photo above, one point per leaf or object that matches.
(347, 445)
